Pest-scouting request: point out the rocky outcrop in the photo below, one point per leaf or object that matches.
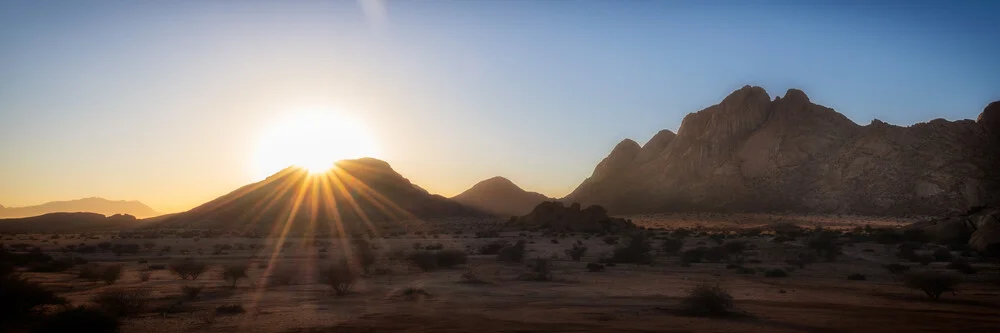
(753, 154)
(979, 227)
(90, 205)
(69, 222)
(557, 217)
(500, 196)
(363, 196)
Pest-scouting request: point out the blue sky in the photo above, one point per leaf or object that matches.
(164, 102)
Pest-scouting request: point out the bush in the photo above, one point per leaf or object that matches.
(693, 255)
(144, 276)
(716, 254)
(595, 267)
(492, 247)
(513, 253)
(188, 268)
(425, 260)
(471, 277)
(540, 269)
(925, 260)
(707, 300)
(931, 283)
(611, 240)
(233, 273)
(856, 277)
(745, 270)
(437, 246)
(961, 266)
(79, 319)
(672, 246)
(577, 251)
(735, 247)
(229, 309)
(191, 292)
(54, 266)
(111, 274)
(122, 302)
(281, 277)
(775, 273)
(825, 245)
(20, 301)
(341, 277)
(636, 251)
(942, 255)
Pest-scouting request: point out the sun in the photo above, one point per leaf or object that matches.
(314, 141)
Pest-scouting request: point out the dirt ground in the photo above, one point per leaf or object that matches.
(626, 297)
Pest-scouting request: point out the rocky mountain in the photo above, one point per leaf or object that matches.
(754, 154)
(357, 196)
(91, 205)
(500, 196)
(68, 222)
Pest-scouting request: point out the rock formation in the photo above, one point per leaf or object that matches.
(68, 222)
(555, 216)
(500, 196)
(753, 154)
(356, 197)
(90, 205)
(979, 227)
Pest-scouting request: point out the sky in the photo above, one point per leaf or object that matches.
(167, 102)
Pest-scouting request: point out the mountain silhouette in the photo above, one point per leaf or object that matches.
(90, 205)
(68, 222)
(500, 196)
(750, 153)
(356, 197)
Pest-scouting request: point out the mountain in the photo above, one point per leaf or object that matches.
(91, 205)
(750, 153)
(500, 196)
(357, 196)
(68, 222)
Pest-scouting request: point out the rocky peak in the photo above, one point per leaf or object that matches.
(497, 182)
(990, 118)
(655, 146)
(620, 158)
(795, 95)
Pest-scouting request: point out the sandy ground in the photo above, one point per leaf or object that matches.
(627, 297)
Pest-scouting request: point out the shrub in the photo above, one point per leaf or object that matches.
(931, 283)
(856, 277)
(672, 246)
(471, 277)
(233, 273)
(111, 274)
(188, 268)
(636, 251)
(707, 300)
(577, 251)
(775, 273)
(735, 247)
(925, 260)
(693, 255)
(144, 276)
(745, 270)
(450, 258)
(54, 266)
(961, 266)
(229, 309)
(942, 255)
(425, 260)
(437, 246)
(540, 269)
(341, 277)
(20, 300)
(122, 302)
(896, 268)
(513, 253)
(716, 254)
(78, 319)
(492, 247)
(191, 292)
(611, 240)
(595, 267)
(281, 277)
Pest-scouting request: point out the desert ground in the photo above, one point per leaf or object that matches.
(282, 293)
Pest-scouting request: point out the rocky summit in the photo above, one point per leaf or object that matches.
(751, 153)
(500, 196)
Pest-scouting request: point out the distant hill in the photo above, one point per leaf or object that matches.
(68, 222)
(89, 205)
(358, 196)
(500, 196)
(750, 153)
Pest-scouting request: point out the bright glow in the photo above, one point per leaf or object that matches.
(313, 141)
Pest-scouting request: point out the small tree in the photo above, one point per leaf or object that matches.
(931, 283)
(233, 273)
(188, 268)
(341, 277)
(577, 251)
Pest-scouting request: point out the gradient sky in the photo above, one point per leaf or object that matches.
(165, 101)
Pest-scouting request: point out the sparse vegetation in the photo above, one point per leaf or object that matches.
(21, 301)
(234, 273)
(636, 251)
(188, 269)
(933, 284)
(539, 269)
(122, 302)
(340, 277)
(577, 251)
(707, 300)
(513, 253)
